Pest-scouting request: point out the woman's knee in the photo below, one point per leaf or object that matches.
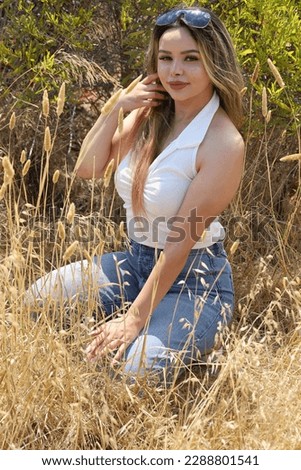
(75, 280)
(148, 356)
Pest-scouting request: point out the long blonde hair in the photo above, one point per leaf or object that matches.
(219, 59)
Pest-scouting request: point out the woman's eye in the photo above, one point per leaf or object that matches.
(165, 57)
(191, 58)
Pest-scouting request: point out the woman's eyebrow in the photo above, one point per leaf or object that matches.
(189, 51)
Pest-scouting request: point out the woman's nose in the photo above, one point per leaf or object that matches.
(177, 68)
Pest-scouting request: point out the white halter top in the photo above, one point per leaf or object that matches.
(168, 179)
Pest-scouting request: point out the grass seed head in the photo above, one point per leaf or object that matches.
(133, 84)
(70, 250)
(255, 73)
(26, 168)
(23, 157)
(108, 174)
(61, 230)
(291, 158)
(268, 116)
(47, 140)
(111, 103)
(61, 99)
(264, 102)
(56, 176)
(71, 213)
(12, 121)
(234, 247)
(45, 104)
(9, 171)
(276, 74)
(121, 229)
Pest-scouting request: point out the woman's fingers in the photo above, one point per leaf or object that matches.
(96, 332)
(91, 349)
(153, 98)
(157, 95)
(157, 90)
(103, 343)
(114, 335)
(152, 85)
(150, 78)
(120, 353)
(143, 93)
(105, 347)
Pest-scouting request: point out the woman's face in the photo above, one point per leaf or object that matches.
(180, 67)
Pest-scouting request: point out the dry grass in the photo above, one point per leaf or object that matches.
(50, 398)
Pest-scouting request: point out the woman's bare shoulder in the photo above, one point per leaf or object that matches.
(222, 141)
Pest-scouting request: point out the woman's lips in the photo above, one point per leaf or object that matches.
(177, 85)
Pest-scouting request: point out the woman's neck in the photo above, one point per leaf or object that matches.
(185, 112)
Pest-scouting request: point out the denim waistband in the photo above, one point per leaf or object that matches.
(139, 248)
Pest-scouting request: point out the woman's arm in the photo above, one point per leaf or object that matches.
(208, 195)
(104, 142)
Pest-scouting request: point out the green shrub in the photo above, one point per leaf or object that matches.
(33, 34)
(269, 29)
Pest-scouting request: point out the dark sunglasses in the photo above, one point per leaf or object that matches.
(194, 18)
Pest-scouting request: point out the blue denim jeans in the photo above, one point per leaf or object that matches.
(183, 327)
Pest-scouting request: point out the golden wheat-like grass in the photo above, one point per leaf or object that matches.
(110, 104)
(47, 140)
(51, 398)
(23, 157)
(291, 158)
(276, 73)
(255, 73)
(234, 247)
(12, 121)
(71, 213)
(61, 99)
(45, 104)
(56, 176)
(71, 250)
(61, 230)
(264, 107)
(108, 174)
(268, 116)
(9, 171)
(26, 167)
(133, 84)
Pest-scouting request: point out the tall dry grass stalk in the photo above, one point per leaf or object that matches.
(61, 99)
(264, 102)
(50, 398)
(45, 104)
(276, 73)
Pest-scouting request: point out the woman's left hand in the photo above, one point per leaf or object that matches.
(114, 335)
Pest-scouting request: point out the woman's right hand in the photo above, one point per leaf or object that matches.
(147, 93)
(103, 143)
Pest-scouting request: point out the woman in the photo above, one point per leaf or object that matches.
(178, 161)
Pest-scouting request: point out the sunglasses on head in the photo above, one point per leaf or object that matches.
(194, 18)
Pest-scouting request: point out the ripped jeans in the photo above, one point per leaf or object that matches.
(182, 328)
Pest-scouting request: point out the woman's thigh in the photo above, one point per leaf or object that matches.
(107, 278)
(119, 282)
